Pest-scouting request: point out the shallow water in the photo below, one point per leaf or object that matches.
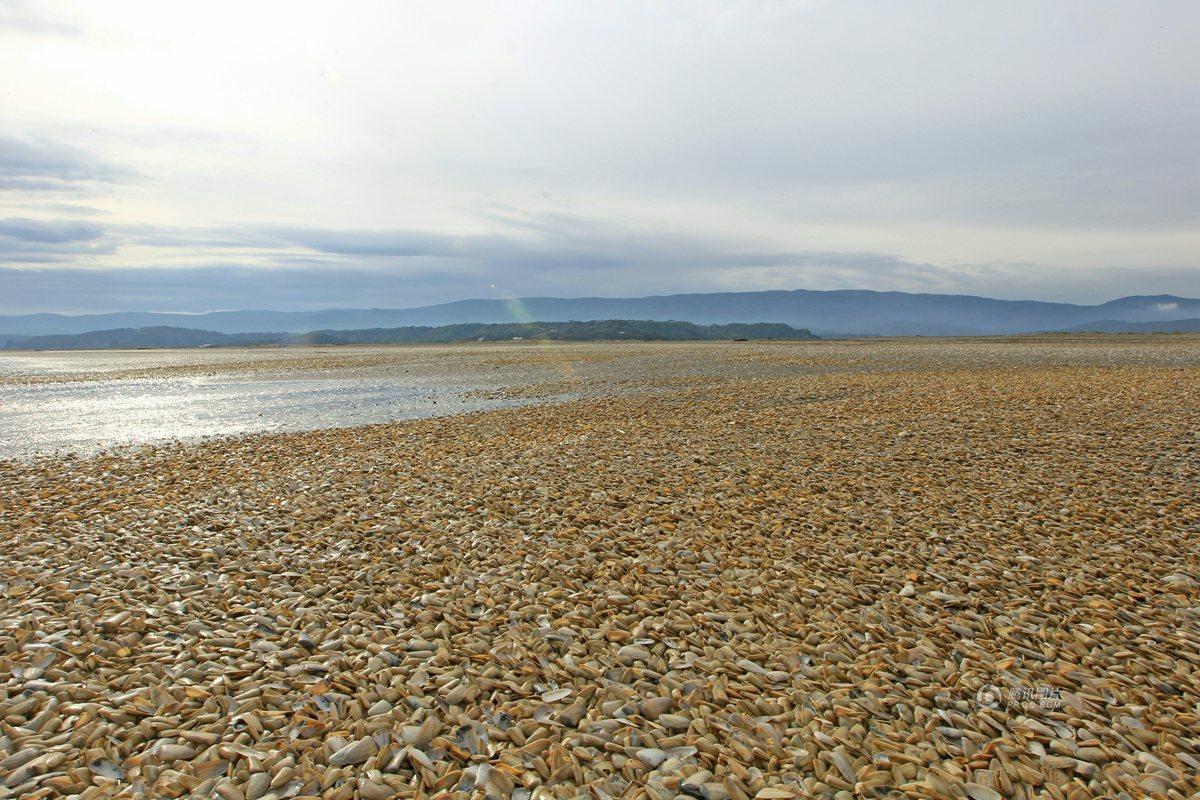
(87, 400)
(92, 415)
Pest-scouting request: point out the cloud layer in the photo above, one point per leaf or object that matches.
(296, 268)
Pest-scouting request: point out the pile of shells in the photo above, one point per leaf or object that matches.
(926, 583)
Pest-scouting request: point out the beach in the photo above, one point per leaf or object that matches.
(929, 568)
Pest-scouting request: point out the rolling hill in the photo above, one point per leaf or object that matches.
(850, 312)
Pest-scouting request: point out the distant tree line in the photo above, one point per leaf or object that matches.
(574, 331)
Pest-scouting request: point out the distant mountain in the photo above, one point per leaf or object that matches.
(844, 312)
(610, 329)
(1117, 326)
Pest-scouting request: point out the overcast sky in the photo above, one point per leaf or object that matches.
(199, 156)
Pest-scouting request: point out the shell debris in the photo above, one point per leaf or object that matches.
(930, 569)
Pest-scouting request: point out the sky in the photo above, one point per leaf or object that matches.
(296, 155)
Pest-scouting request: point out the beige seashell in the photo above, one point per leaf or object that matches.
(354, 753)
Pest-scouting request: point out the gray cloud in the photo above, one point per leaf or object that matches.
(539, 255)
(426, 281)
(73, 209)
(32, 241)
(223, 286)
(32, 164)
(49, 232)
(530, 243)
(369, 243)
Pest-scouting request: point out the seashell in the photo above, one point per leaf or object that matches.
(632, 653)
(978, 791)
(354, 753)
(676, 722)
(652, 757)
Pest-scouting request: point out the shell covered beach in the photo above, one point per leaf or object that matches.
(925, 569)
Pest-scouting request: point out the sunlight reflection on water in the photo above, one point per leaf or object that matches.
(88, 416)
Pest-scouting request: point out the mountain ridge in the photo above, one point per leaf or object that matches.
(845, 311)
